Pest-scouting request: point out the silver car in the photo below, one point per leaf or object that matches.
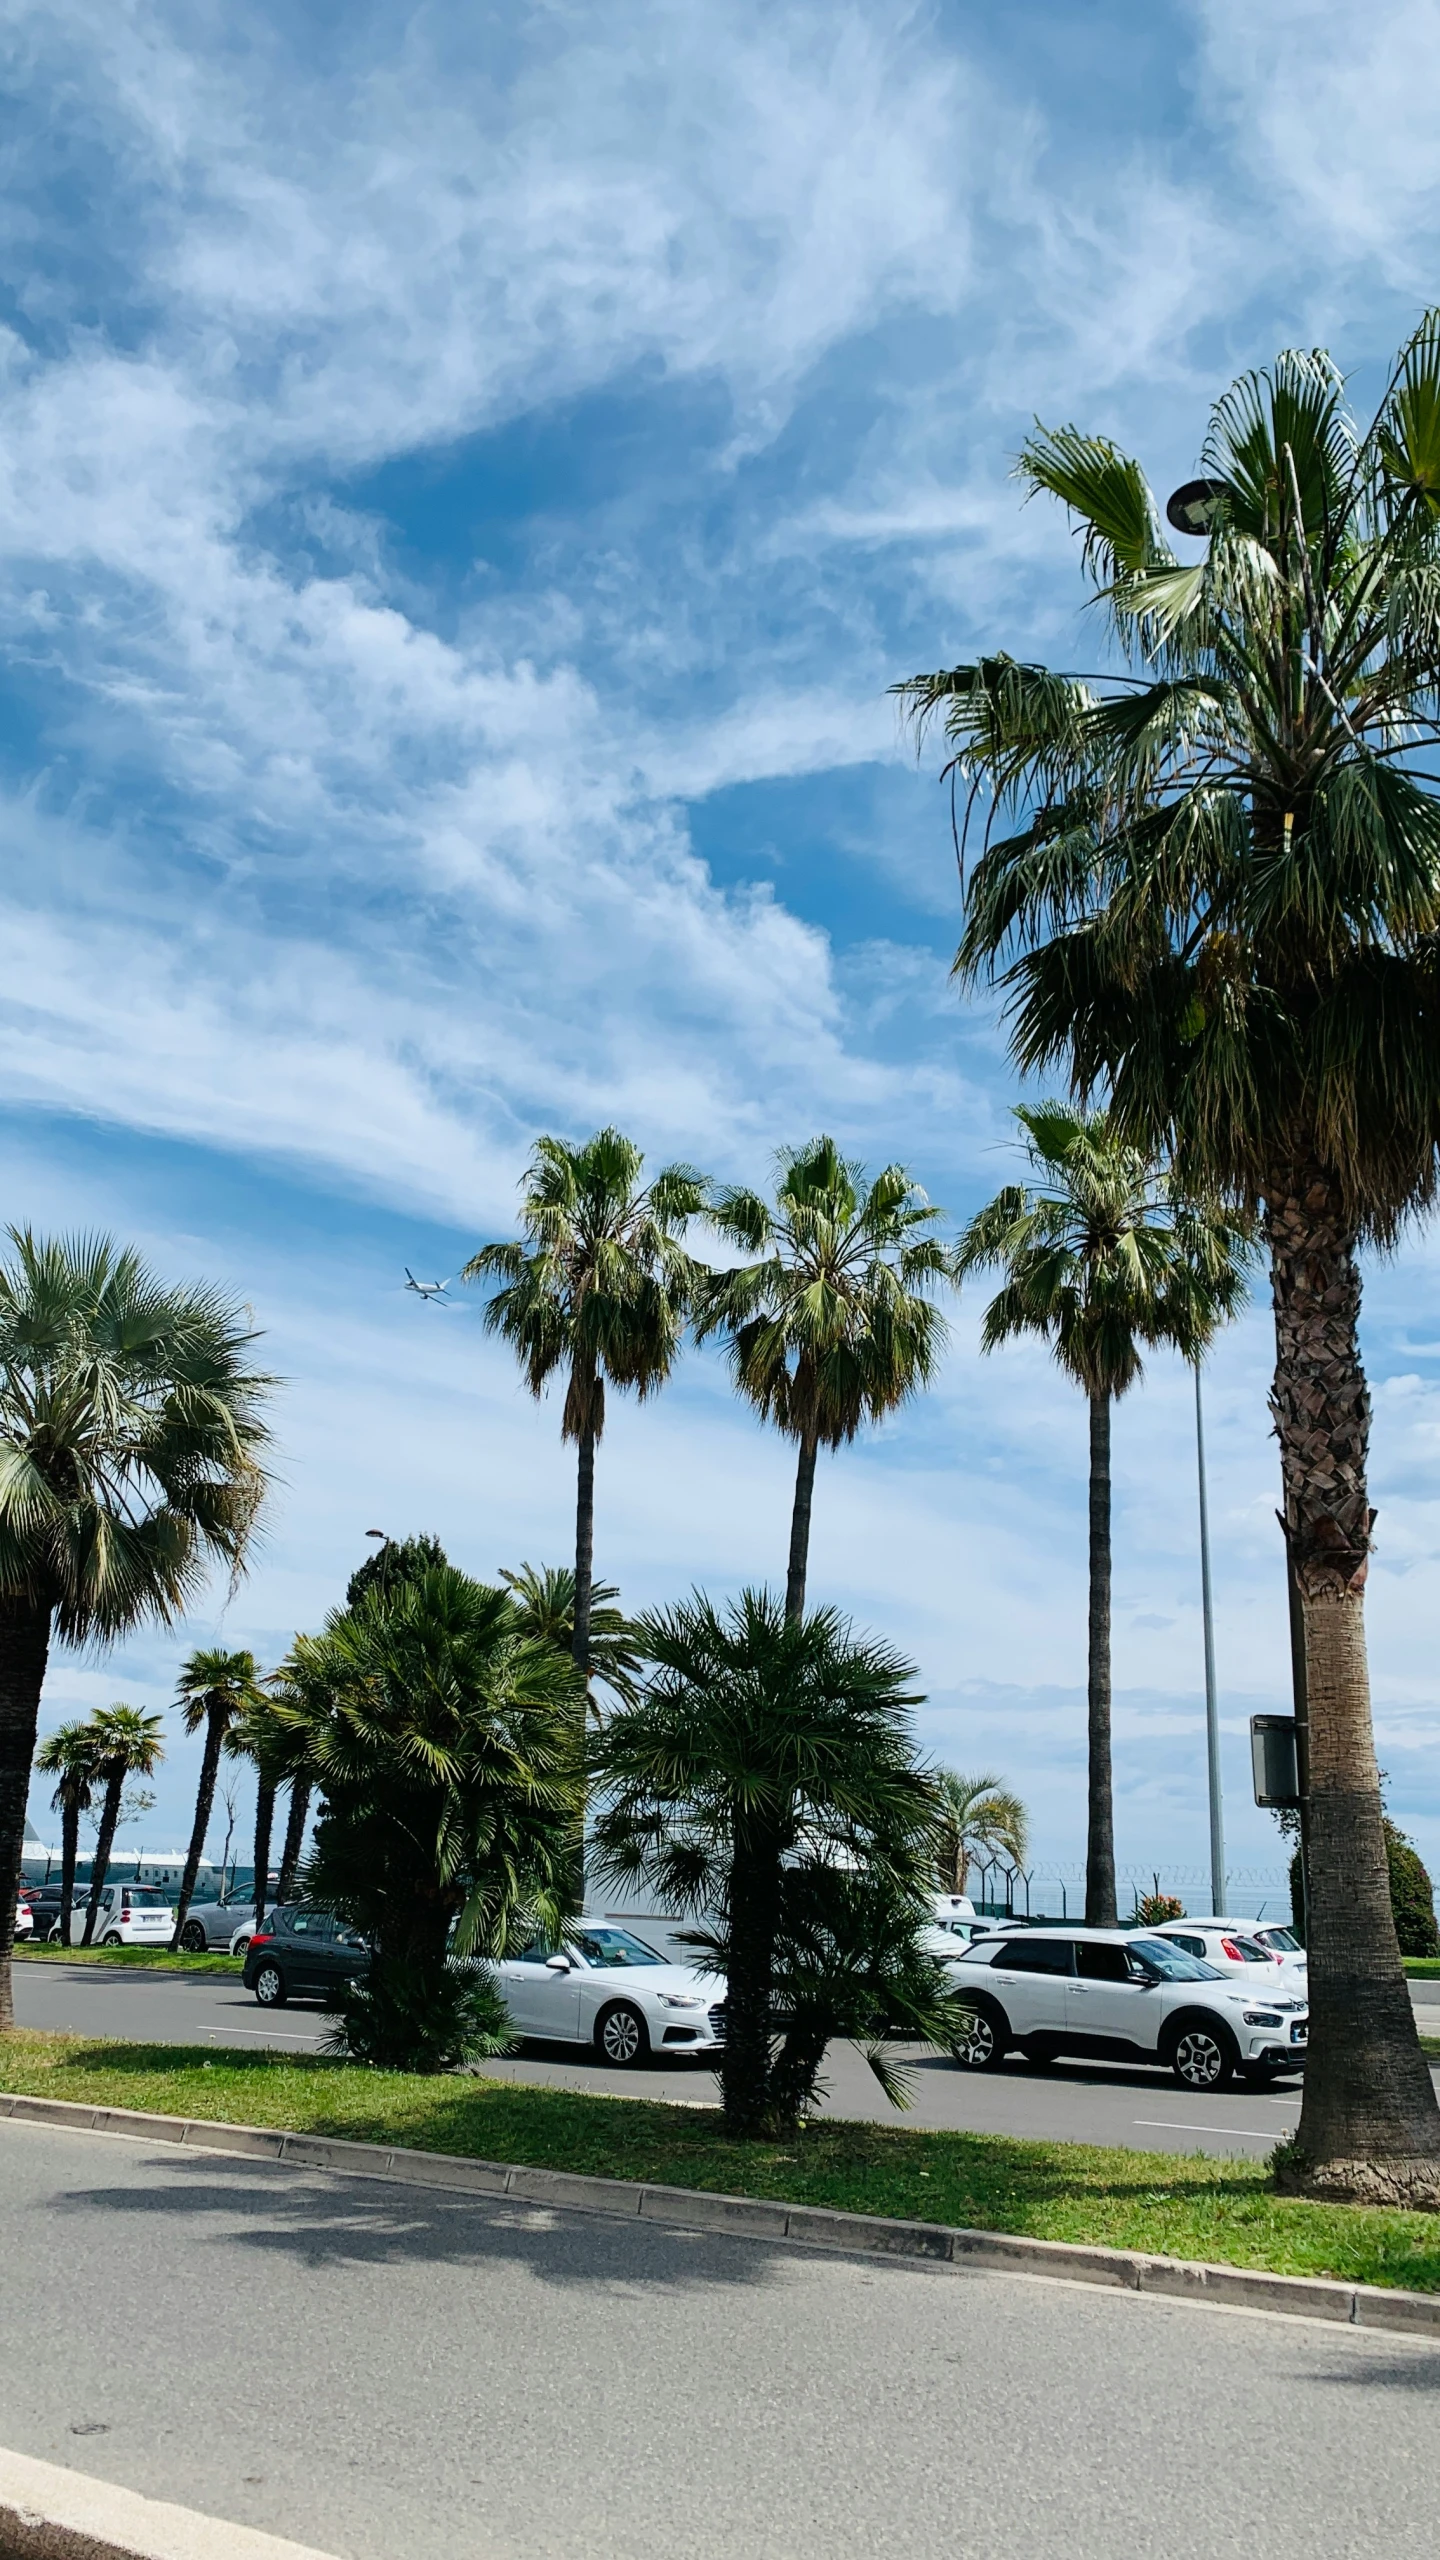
(216, 1924)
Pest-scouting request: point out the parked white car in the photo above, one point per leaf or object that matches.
(605, 1988)
(24, 1920)
(1236, 1946)
(128, 1915)
(1115, 1996)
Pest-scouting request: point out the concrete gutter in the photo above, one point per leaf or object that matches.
(47, 2513)
(1359, 2306)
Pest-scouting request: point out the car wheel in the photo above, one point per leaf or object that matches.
(269, 1987)
(112, 1938)
(983, 2039)
(241, 1947)
(193, 1939)
(621, 2036)
(1203, 2055)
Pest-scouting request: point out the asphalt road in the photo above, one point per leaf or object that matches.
(376, 2370)
(1074, 2102)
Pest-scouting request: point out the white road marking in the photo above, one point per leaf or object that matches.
(1167, 2124)
(263, 2035)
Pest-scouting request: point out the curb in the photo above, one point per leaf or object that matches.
(1360, 2306)
(47, 2513)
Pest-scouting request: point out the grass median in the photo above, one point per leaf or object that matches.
(1179, 2207)
(133, 1959)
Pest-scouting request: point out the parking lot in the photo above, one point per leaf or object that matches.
(1074, 2101)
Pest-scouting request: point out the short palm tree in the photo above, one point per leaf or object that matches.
(980, 1817)
(128, 1744)
(130, 1460)
(215, 1689)
(599, 1290)
(765, 1781)
(1219, 900)
(445, 1746)
(1102, 1263)
(829, 1321)
(69, 1755)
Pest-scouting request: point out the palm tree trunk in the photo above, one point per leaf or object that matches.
(204, 1807)
(754, 1913)
(1100, 1910)
(1370, 2128)
(105, 1841)
(69, 1860)
(800, 1530)
(24, 1648)
(264, 1823)
(584, 1552)
(294, 1838)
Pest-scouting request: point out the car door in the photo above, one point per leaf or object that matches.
(307, 1944)
(1113, 2001)
(542, 2000)
(1031, 1977)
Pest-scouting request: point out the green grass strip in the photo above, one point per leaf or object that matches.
(1422, 1968)
(132, 1959)
(1179, 2207)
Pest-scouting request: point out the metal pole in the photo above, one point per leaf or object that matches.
(1212, 1703)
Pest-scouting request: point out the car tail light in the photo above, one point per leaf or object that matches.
(262, 1937)
(1232, 1951)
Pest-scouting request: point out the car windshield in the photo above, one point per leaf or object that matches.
(612, 1948)
(1171, 1962)
(1279, 1941)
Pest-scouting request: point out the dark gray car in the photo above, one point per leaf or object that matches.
(302, 1953)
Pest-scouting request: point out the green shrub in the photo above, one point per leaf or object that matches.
(403, 2018)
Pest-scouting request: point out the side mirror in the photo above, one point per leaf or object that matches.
(557, 1964)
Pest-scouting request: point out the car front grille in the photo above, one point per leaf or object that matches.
(718, 2021)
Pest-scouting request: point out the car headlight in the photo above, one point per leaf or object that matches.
(678, 2000)
(1261, 2018)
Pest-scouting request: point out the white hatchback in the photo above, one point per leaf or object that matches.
(129, 1915)
(605, 1988)
(1240, 1946)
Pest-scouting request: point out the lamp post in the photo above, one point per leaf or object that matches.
(1212, 1702)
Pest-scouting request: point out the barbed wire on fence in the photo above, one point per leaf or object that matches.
(1001, 1890)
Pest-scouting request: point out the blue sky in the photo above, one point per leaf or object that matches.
(468, 480)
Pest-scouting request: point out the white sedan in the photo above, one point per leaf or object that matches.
(605, 1988)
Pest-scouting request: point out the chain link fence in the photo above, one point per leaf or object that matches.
(1000, 1891)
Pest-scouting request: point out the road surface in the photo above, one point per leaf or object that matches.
(1074, 2102)
(377, 2370)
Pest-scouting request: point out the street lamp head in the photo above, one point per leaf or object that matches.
(1193, 508)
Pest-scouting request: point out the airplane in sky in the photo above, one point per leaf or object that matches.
(432, 1291)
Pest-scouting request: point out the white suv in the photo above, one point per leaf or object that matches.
(1119, 1997)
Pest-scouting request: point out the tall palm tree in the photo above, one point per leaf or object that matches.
(128, 1744)
(979, 1817)
(1101, 1264)
(828, 1323)
(257, 1736)
(298, 1814)
(130, 1449)
(765, 1781)
(69, 1754)
(600, 1289)
(1219, 899)
(215, 1689)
